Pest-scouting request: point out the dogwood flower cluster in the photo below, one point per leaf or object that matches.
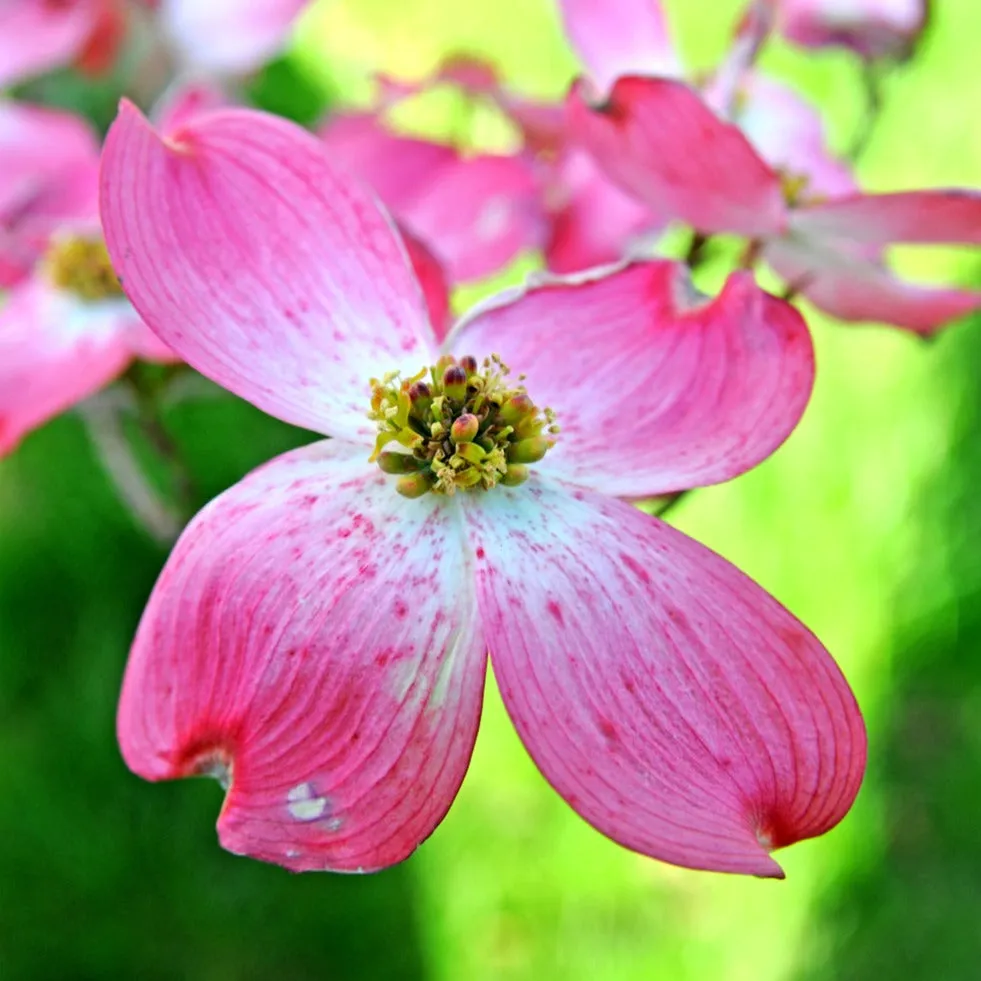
(319, 638)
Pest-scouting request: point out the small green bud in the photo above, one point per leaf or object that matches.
(469, 364)
(455, 383)
(399, 463)
(516, 475)
(471, 452)
(528, 450)
(529, 426)
(469, 478)
(414, 485)
(465, 428)
(420, 398)
(515, 409)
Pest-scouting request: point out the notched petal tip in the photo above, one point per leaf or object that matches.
(302, 641)
(675, 705)
(261, 266)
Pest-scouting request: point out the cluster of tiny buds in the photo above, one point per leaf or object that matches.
(82, 266)
(462, 427)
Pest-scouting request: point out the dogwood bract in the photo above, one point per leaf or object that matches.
(234, 36)
(66, 329)
(318, 639)
(872, 28)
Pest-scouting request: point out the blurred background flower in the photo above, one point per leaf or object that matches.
(865, 524)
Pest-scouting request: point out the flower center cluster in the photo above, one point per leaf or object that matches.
(81, 266)
(462, 426)
(797, 190)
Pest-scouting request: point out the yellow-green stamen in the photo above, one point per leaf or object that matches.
(81, 266)
(461, 427)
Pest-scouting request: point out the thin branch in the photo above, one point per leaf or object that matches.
(872, 84)
(669, 502)
(147, 397)
(103, 418)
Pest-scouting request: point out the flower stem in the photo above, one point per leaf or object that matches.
(103, 418)
(696, 250)
(668, 503)
(147, 391)
(872, 79)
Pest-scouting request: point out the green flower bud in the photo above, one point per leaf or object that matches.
(414, 485)
(516, 474)
(465, 428)
(399, 463)
(528, 450)
(515, 409)
(471, 452)
(455, 383)
(420, 398)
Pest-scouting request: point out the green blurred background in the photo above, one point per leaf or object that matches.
(867, 524)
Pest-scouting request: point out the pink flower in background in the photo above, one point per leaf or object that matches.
(749, 156)
(318, 639)
(873, 28)
(66, 329)
(227, 36)
(474, 213)
(233, 36)
(557, 198)
(38, 36)
(660, 141)
(615, 38)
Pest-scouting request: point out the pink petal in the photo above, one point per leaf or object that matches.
(851, 288)
(106, 37)
(315, 634)
(655, 387)
(613, 38)
(789, 134)
(659, 141)
(595, 222)
(245, 252)
(674, 704)
(723, 91)
(479, 214)
(17, 259)
(185, 99)
(146, 346)
(38, 146)
(941, 217)
(432, 278)
(542, 124)
(229, 35)
(873, 28)
(37, 36)
(397, 168)
(54, 352)
(65, 203)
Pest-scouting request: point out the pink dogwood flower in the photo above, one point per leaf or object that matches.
(66, 329)
(872, 28)
(227, 36)
(474, 213)
(620, 38)
(37, 36)
(747, 155)
(231, 36)
(557, 198)
(659, 140)
(319, 636)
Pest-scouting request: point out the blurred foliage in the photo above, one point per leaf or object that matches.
(866, 524)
